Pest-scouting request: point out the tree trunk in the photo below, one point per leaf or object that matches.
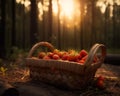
(13, 24)
(50, 21)
(59, 31)
(33, 22)
(2, 28)
(93, 33)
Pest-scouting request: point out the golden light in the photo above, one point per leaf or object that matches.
(26, 3)
(69, 11)
(40, 9)
(55, 7)
(67, 7)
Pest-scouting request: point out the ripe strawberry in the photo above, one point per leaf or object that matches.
(56, 57)
(41, 55)
(46, 57)
(61, 53)
(50, 54)
(56, 51)
(72, 57)
(85, 57)
(65, 56)
(83, 53)
(78, 56)
(100, 82)
(81, 61)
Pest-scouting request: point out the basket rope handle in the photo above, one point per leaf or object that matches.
(92, 53)
(46, 44)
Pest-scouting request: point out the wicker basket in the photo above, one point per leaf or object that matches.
(63, 73)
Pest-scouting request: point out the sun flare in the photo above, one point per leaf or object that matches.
(68, 10)
(67, 7)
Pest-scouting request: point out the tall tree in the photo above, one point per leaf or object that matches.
(81, 23)
(59, 31)
(2, 25)
(114, 18)
(33, 22)
(50, 21)
(93, 21)
(13, 23)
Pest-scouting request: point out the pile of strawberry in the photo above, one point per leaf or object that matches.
(70, 55)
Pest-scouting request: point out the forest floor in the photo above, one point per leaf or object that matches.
(18, 77)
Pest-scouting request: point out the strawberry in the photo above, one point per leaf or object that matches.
(81, 62)
(72, 57)
(41, 55)
(50, 54)
(56, 57)
(60, 53)
(79, 57)
(46, 57)
(56, 51)
(83, 53)
(65, 56)
(85, 57)
(100, 82)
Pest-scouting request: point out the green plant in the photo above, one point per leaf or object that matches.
(3, 70)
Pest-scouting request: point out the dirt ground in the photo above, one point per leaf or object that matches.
(25, 87)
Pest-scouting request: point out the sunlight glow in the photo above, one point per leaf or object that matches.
(67, 7)
(26, 3)
(104, 3)
(102, 6)
(40, 9)
(18, 1)
(69, 11)
(45, 5)
(55, 7)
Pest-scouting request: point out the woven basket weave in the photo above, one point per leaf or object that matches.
(63, 73)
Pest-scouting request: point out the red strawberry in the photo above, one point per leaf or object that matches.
(61, 53)
(56, 57)
(46, 57)
(65, 56)
(81, 61)
(50, 54)
(56, 51)
(41, 55)
(72, 57)
(85, 57)
(83, 53)
(100, 82)
(79, 57)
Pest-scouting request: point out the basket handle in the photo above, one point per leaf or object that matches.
(92, 53)
(46, 44)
